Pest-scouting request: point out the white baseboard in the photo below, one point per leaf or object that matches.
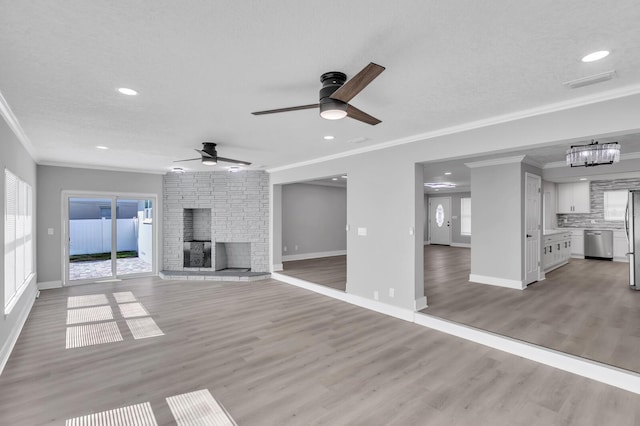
(621, 259)
(577, 256)
(593, 370)
(420, 303)
(427, 243)
(500, 282)
(304, 256)
(363, 302)
(47, 285)
(277, 267)
(21, 318)
(465, 245)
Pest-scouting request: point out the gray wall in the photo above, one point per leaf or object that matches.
(456, 238)
(53, 180)
(14, 157)
(598, 187)
(313, 218)
(496, 221)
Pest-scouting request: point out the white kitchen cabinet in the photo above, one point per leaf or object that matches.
(620, 246)
(577, 243)
(556, 250)
(574, 198)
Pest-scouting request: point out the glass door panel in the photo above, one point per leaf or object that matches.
(134, 236)
(90, 239)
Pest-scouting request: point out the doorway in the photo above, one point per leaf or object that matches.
(108, 237)
(440, 220)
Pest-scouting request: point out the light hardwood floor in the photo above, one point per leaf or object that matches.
(327, 271)
(584, 308)
(274, 354)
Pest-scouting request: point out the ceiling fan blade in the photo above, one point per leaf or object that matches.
(204, 153)
(351, 88)
(230, 160)
(296, 108)
(355, 113)
(190, 159)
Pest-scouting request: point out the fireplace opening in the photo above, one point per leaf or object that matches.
(233, 257)
(197, 238)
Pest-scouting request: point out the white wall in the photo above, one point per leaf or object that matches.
(313, 220)
(53, 180)
(388, 256)
(14, 157)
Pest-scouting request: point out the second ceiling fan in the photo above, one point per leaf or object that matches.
(335, 94)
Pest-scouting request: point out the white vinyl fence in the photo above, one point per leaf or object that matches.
(89, 236)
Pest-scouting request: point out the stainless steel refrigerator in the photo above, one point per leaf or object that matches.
(632, 227)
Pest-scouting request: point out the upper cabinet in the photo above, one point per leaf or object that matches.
(574, 198)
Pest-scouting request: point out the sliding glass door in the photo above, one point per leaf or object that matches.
(108, 237)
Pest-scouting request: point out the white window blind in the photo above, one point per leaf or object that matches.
(18, 238)
(615, 204)
(465, 216)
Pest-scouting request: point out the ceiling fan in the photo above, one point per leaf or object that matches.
(209, 156)
(335, 95)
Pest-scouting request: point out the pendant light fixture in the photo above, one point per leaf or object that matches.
(593, 154)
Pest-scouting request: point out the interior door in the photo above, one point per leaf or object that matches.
(440, 220)
(532, 228)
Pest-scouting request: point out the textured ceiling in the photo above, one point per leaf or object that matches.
(202, 67)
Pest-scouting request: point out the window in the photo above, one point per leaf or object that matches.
(615, 204)
(465, 216)
(18, 238)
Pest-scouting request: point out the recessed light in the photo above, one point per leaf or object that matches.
(127, 91)
(102, 147)
(343, 176)
(595, 56)
(437, 189)
(177, 170)
(234, 169)
(334, 178)
(583, 178)
(447, 173)
(329, 138)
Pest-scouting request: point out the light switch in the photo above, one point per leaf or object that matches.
(50, 231)
(362, 232)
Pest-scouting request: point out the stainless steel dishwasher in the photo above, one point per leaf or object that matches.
(598, 244)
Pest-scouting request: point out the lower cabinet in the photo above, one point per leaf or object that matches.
(556, 250)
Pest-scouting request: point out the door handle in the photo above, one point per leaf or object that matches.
(529, 235)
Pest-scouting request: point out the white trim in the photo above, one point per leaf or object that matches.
(48, 285)
(613, 376)
(495, 161)
(513, 116)
(16, 128)
(21, 319)
(277, 267)
(623, 379)
(500, 282)
(99, 167)
(304, 256)
(427, 243)
(420, 303)
(374, 305)
(465, 245)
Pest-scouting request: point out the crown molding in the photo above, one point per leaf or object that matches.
(499, 119)
(16, 128)
(496, 161)
(105, 168)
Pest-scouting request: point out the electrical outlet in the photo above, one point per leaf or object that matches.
(284, 248)
(295, 248)
(392, 292)
(50, 231)
(375, 295)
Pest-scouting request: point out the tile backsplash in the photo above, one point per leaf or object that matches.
(598, 187)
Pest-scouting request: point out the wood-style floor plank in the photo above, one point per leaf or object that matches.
(584, 308)
(274, 354)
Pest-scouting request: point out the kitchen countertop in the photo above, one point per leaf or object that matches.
(548, 232)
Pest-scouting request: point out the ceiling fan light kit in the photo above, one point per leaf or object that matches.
(209, 156)
(336, 93)
(593, 154)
